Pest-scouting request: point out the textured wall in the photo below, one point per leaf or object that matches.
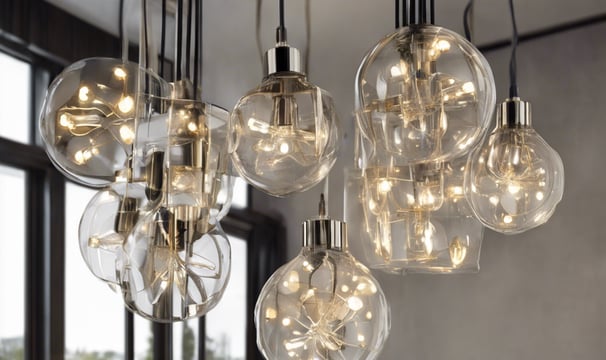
(539, 295)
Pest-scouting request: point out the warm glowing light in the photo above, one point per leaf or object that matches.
(127, 134)
(344, 288)
(64, 121)
(361, 338)
(457, 251)
(513, 188)
(494, 200)
(258, 126)
(83, 93)
(539, 195)
(126, 105)
(191, 126)
(119, 73)
(369, 315)
(507, 219)
(271, 313)
(284, 148)
(355, 303)
(468, 87)
(286, 321)
(396, 71)
(384, 186)
(443, 45)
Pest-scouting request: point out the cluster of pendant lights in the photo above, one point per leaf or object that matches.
(426, 178)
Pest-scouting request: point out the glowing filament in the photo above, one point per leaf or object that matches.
(83, 93)
(119, 73)
(126, 105)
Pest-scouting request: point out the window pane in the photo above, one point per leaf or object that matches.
(14, 99)
(185, 340)
(12, 262)
(143, 339)
(226, 324)
(94, 315)
(240, 196)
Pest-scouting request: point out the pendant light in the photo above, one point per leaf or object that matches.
(515, 180)
(284, 134)
(423, 93)
(323, 304)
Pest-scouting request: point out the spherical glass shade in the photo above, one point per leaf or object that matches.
(176, 269)
(88, 117)
(105, 224)
(514, 180)
(284, 135)
(322, 305)
(424, 94)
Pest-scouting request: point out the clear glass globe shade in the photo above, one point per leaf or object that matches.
(284, 135)
(322, 305)
(514, 181)
(175, 271)
(106, 222)
(88, 117)
(424, 93)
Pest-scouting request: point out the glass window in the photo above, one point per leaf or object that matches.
(15, 99)
(94, 316)
(144, 339)
(226, 324)
(185, 340)
(12, 262)
(240, 196)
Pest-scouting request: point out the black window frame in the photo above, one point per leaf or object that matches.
(25, 33)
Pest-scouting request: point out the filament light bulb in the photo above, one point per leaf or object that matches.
(284, 134)
(323, 304)
(515, 179)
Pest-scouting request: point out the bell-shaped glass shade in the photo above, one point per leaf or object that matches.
(105, 224)
(514, 180)
(176, 269)
(323, 304)
(284, 134)
(424, 94)
(88, 119)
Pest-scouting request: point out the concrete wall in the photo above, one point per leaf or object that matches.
(541, 294)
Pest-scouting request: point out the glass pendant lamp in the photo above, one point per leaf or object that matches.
(515, 179)
(323, 304)
(423, 93)
(284, 134)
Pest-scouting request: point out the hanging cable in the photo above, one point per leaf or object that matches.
(121, 28)
(308, 34)
(405, 6)
(198, 47)
(179, 46)
(188, 40)
(432, 12)
(281, 33)
(146, 36)
(513, 81)
(163, 38)
(397, 14)
(258, 29)
(467, 21)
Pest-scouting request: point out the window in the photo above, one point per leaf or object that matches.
(15, 98)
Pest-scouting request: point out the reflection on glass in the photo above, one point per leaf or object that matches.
(14, 99)
(12, 260)
(94, 317)
(226, 324)
(240, 196)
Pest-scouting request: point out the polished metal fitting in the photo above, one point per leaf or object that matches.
(514, 113)
(282, 58)
(324, 233)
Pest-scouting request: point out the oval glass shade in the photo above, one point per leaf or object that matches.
(424, 94)
(514, 181)
(175, 269)
(88, 117)
(105, 224)
(284, 135)
(323, 304)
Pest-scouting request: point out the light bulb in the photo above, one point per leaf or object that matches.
(515, 179)
(88, 117)
(284, 134)
(174, 270)
(106, 222)
(323, 304)
(424, 94)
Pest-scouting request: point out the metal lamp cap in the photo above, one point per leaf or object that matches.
(324, 233)
(282, 58)
(514, 113)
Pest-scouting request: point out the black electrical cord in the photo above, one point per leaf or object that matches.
(188, 40)
(308, 33)
(397, 14)
(121, 24)
(198, 46)
(179, 50)
(467, 14)
(432, 12)
(513, 82)
(282, 14)
(405, 6)
(146, 38)
(163, 38)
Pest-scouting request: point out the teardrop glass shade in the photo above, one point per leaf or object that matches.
(105, 224)
(323, 304)
(515, 180)
(176, 270)
(424, 94)
(284, 135)
(88, 117)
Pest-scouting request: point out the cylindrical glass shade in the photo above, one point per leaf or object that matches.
(284, 135)
(424, 93)
(88, 119)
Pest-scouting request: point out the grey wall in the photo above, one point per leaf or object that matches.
(541, 294)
